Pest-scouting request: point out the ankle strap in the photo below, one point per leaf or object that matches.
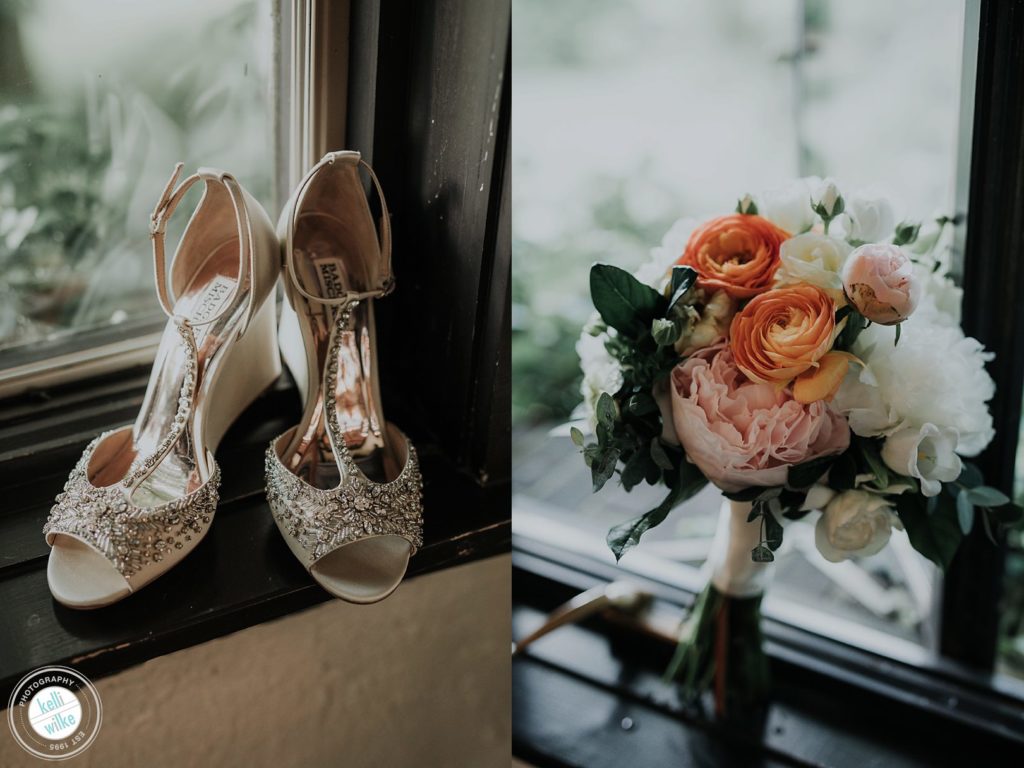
(387, 279)
(169, 200)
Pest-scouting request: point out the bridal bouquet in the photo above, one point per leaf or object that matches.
(803, 354)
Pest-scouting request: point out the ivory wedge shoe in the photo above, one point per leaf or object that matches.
(143, 496)
(343, 485)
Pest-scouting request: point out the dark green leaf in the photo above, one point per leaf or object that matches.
(755, 512)
(936, 536)
(1008, 515)
(683, 279)
(965, 511)
(987, 496)
(855, 323)
(806, 474)
(576, 436)
(843, 475)
(625, 304)
(746, 494)
(899, 329)
(590, 453)
(604, 467)
(634, 470)
(624, 537)
(970, 475)
(796, 514)
(750, 209)
(658, 454)
(641, 404)
(761, 554)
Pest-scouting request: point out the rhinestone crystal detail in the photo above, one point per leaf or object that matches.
(129, 537)
(323, 520)
(144, 465)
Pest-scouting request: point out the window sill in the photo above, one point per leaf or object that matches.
(834, 705)
(241, 574)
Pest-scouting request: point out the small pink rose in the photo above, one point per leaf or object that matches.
(879, 281)
(741, 433)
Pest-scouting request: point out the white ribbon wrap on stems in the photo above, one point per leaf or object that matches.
(729, 563)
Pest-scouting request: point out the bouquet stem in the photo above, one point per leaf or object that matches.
(720, 646)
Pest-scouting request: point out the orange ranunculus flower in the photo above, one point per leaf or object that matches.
(738, 253)
(782, 333)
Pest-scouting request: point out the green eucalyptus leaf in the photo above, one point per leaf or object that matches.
(624, 303)
(607, 411)
(987, 496)
(772, 529)
(965, 511)
(761, 554)
(665, 332)
(576, 436)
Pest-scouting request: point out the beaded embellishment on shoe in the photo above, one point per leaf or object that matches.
(323, 520)
(130, 537)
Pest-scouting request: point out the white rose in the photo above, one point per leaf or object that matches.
(854, 524)
(815, 259)
(936, 375)
(869, 219)
(601, 372)
(789, 207)
(927, 453)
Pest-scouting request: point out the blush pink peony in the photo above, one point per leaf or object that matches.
(740, 433)
(879, 281)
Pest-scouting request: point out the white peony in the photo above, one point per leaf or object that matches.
(941, 298)
(815, 259)
(935, 375)
(854, 524)
(927, 453)
(869, 219)
(601, 371)
(789, 207)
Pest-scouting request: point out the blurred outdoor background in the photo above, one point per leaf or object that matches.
(630, 115)
(98, 100)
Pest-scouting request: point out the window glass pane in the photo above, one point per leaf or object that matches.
(98, 100)
(630, 115)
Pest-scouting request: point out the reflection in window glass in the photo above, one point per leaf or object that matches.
(98, 100)
(630, 115)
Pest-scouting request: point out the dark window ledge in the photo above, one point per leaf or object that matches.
(241, 574)
(833, 705)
